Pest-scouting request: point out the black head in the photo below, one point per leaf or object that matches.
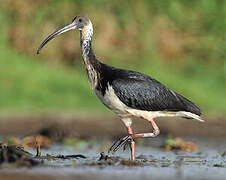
(79, 22)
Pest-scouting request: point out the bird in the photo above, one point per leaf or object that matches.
(127, 93)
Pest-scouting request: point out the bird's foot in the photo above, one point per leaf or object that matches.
(122, 142)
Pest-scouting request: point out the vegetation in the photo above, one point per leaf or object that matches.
(181, 43)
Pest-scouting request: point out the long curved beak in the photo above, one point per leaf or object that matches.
(64, 29)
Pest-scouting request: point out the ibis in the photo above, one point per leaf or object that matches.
(127, 93)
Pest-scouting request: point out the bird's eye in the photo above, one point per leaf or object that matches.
(80, 20)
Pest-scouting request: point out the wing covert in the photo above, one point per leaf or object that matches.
(149, 94)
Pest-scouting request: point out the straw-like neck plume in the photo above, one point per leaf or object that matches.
(90, 61)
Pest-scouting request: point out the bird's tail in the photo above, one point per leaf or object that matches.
(189, 115)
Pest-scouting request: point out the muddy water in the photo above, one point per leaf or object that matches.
(209, 163)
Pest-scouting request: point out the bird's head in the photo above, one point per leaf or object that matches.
(81, 23)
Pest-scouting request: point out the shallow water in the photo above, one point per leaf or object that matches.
(209, 163)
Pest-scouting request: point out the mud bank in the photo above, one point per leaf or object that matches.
(106, 126)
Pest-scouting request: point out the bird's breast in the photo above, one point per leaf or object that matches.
(111, 100)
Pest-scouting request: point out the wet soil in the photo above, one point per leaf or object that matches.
(153, 162)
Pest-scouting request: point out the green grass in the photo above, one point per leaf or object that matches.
(30, 85)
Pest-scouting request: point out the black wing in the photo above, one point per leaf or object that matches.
(140, 91)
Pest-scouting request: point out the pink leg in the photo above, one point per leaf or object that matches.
(132, 136)
(155, 132)
(132, 145)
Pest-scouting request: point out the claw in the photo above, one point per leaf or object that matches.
(125, 141)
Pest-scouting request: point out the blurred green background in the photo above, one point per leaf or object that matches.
(180, 43)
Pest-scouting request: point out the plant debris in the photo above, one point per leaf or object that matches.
(29, 141)
(179, 144)
(38, 151)
(16, 156)
(223, 154)
(111, 160)
(60, 156)
(218, 165)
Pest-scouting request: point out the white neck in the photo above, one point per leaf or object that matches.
(86, 38)
(87, 54)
